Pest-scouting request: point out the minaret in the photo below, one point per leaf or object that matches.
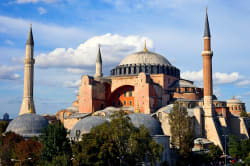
(28, 103)
(207, 70)
(98, 72)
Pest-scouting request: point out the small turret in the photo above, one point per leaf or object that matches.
(98, 72)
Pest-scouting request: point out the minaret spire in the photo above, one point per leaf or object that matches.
(145, 47)
(207, 29)
(98, 72)
(207, 70)
(28, 102)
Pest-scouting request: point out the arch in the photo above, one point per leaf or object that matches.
(122, 96)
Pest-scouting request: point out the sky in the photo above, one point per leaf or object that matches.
(67, 34)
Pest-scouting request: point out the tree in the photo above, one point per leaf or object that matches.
(55, 143)
(29, 149)
(3, 126)
(214, 152)
(117, 142)
(247, 160)
(8, 148)
(234, 148)
(244, 114)
(181, 130)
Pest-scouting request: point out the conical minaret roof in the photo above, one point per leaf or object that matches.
(30, 40)
(207, 29)
(99, 56)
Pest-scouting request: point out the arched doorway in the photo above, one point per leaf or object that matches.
(122, 97)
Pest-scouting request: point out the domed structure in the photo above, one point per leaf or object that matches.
(234, 100)
(145, 57)
(147, 62)
(85, 125)
(6, 117)
(147, 121)
(28, 125)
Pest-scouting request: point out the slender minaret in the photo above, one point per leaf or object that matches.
(98, 72)
(28, 103)
(207, 70)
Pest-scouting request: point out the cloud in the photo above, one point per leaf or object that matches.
(42, 11)
(75, 70)
(9, 42)
(243, 83)
(114, 47)
(35, 1)
(218, 77)
(7, 73)
(45, 34)
(72, 84)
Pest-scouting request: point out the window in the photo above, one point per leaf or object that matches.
(113, 103)
(118, 94)
(124, 102)
(130, 92)
(130, 102)
(124, 93)
(160, 115)
(119, 103)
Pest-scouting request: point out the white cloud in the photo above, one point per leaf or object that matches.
(72, 84)
(9, 42)
(35, 1)
(243, 83)
(113, 47)
(218, 77)
(8, 72)
(76, 70)
(42, 10)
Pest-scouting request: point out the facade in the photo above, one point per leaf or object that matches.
(147, 83)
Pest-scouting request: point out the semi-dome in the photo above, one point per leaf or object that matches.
(85, 125)
(234, 100)
(28, 125)
(147, 121)
(145, 57)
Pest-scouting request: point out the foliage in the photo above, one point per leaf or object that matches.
(116, 143)
(244, 114)
(8, 148)
(29, 149)
(214, 152)
(181, 130)
(54, 142)
(234, 147)
(247, 160)
(3, 126)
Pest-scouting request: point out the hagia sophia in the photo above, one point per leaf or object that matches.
(145, 84)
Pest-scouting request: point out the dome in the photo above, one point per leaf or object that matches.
(28, 125)
(85, 125)
(234, 100)
(149, 122)
(145, 57)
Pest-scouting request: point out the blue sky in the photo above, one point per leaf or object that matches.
(67, 34)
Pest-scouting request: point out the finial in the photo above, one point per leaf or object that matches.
(30, 25)
(233, 97)
(206, 10)
(145, 47)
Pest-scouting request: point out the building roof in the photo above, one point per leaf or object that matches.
(30, 40)
(145, 57)
(183, 83)
(85, 125)
(147, 121)
(234, 100)
(168, 108)
(28, 125)
(207, 29)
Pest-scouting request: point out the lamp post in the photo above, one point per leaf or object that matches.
(20, 161)
(225, 151)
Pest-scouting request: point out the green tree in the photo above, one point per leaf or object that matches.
(181, 130)
(116, 142)
(247, 160)
(244, 114)
(244, 148)
(214, 152)
(55, 143)
(234, 148)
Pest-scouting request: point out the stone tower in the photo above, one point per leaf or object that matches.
(28, 102)
(98, 72)
(211, 122)
(207, 55)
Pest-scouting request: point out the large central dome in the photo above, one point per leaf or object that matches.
(145, 57)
